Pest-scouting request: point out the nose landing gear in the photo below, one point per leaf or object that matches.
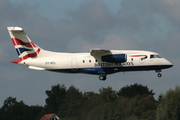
(159, 74)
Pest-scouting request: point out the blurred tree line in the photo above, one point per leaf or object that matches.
(134, 102)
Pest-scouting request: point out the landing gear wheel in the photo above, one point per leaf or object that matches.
(159, 75)
(102, 77)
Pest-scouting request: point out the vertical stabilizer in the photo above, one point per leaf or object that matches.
(25, 48)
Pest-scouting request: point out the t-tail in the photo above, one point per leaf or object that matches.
(25, 48)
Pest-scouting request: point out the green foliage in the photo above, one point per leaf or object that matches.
(73, 101)
(139, 107)
(169, 106)
(13, 110)
(133, 90)
(63, 102)
(108, 94)
(56, 99)
(106, 111)
(134, 102)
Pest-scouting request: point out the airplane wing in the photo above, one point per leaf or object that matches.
(98, 51)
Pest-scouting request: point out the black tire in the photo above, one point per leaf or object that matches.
(102, 77)
(159, 75)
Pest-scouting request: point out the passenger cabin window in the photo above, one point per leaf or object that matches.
(83, 61)
(89, 61)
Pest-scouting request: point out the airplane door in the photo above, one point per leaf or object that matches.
(74, 65)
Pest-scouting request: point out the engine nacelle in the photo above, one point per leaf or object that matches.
(114, 58)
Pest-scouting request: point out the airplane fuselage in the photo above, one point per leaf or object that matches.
(98, 62)
(86, 63)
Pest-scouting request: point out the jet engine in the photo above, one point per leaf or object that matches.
(114, 58)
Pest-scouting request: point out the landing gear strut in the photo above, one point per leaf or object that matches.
(102, 77)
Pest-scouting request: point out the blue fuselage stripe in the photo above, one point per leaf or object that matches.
(111, 70)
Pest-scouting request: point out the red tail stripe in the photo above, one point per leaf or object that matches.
(38, 50)
(137, 55)
(13, 42)
(33, 44)
(19, 42)
(32, 55)
(25, 57)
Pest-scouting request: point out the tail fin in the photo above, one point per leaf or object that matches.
(24, 46)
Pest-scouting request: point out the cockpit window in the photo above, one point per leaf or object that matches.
(158, 56)
(155, 56)
(152, 56)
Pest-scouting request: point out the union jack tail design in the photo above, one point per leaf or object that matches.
(25, 48)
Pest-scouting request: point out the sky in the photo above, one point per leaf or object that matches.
(77, 26)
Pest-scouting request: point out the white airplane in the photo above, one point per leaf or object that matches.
(98, 62)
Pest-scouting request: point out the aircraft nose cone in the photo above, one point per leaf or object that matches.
(169, 64)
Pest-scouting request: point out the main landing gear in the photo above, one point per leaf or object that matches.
(102, 77)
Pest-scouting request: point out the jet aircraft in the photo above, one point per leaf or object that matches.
(97, 62)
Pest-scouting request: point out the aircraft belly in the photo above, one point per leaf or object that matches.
(110, 70)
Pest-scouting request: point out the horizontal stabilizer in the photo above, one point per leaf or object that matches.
(36, 68)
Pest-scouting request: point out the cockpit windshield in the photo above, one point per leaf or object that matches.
(155, 56)
(158, 56)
